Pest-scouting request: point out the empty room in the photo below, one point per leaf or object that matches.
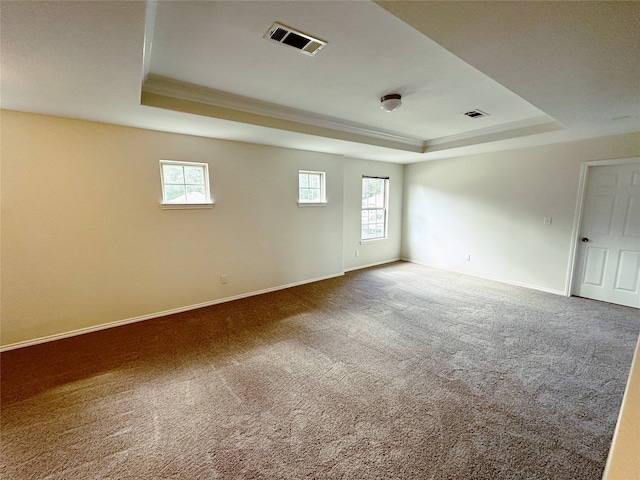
(319, 239)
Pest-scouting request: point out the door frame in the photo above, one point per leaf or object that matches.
(577, 220)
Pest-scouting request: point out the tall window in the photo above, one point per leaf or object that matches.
(185, 183)
(375, 202)
(311, 187)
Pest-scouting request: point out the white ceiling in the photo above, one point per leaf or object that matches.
(546, 72)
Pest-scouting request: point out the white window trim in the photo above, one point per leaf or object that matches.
(186, 206)
(374, 240)
(311, 204)
(323, 190)
(386, 212)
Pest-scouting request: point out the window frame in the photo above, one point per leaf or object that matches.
(185, 205)
(385, 208)
(323, 189)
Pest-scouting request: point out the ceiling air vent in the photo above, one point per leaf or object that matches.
(304, 43)
(476, 114)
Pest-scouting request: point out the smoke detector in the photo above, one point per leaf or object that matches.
(301, 41)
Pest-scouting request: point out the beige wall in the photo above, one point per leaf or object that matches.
(85, 242)
(492, 207)
(370, 253)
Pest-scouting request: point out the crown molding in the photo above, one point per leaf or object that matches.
(506, 131)
(538, 122)
(156, 86)
(172, 94)
(149, 25)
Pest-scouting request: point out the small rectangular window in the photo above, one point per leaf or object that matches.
(375, 205)
(185, 183)
(311, 187)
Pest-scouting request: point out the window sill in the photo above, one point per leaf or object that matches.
(373, 240)
(312, 204)
(185, 206)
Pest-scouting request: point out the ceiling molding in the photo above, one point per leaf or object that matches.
(197, 108)
(149, 25)
(522, 128)
(172, 94)
(156, 86)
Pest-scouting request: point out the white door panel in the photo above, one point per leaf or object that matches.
(595, 266)
(608, 262)
(628, 271)
(632, 222)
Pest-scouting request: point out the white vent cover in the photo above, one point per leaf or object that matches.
(304, 43)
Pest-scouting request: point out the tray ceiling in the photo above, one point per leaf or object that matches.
(544, 72)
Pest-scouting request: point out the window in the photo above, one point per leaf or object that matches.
(185, 183)
(375, 202)
(311, 187)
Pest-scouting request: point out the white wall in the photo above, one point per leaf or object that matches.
(492, 207)
(371, 253)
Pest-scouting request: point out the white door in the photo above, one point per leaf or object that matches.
(608, 262)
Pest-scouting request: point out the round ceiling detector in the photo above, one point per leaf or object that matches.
(391, 102)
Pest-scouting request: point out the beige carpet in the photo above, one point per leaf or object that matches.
(398, 372)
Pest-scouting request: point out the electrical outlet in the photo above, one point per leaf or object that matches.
(467, 257)
(357, 253)
(223, 278)
(546, 220)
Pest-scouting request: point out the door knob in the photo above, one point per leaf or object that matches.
(584, 239)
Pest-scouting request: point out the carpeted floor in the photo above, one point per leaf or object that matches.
(399, 371)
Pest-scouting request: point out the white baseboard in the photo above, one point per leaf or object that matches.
(118, 323)
(495, 279)
(359, 267)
